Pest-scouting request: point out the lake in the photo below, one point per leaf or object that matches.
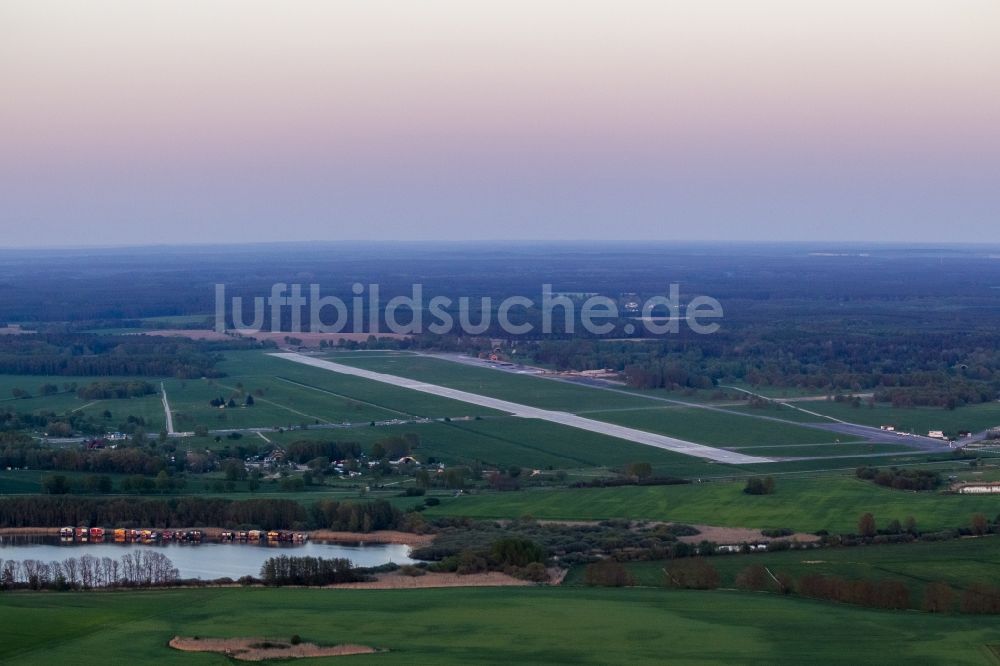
(207, 560)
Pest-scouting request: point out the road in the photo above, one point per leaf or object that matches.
(526, 411)
(166, 410)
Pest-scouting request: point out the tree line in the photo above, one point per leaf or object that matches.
(904, 367)
(176, 512)
(69, 354)
(23, 452)
(698, 574)
(108, 390)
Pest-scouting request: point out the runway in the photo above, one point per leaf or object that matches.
(526, 411)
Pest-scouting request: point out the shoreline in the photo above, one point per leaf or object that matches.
(214, 533)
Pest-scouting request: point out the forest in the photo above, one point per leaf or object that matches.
(74, 354)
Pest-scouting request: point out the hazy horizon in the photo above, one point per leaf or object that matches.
(224, 121)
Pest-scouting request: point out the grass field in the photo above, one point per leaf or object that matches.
(148, 407)
(959, 563)
(781, 412)
(628, 409)
(832, 449)
(279, 404)
(524, 389)
(257, 369)
(482, 625)
(805, 504)
(715, 428)
(920, 420)
(509, 441)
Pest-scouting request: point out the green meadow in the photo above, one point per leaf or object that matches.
(959, 563)
(920, 420)
(528, 625)
(828, 502)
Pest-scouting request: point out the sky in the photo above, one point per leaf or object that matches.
(205, 121)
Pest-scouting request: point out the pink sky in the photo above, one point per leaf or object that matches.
(166, 121)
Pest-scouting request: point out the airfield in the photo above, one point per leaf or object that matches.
(527, 411)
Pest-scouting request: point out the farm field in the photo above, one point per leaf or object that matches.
(715, 428)
(512, 441)
(830, 450)
(148, 407)
(257, 369)
(524, 389)
(575, 448)
(65, 400)
(483, 625)
(276, 403)
(831, 502)
(691, 424)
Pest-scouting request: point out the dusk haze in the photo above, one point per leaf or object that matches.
(501, 332)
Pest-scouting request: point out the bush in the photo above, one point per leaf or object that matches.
(692, 574)
(412, 571)
(607, 573)
(759, 486)
(295, 639)
(754, 577)
(535, 572)
(516, 552)
(680, 529)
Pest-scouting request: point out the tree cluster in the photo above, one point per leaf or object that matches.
(285, 570)
(115, 390)
(886, 594)
(759, 486)
(139, 568)
(901, 479)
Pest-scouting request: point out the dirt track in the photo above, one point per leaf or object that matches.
(398, 581)
(250, 649)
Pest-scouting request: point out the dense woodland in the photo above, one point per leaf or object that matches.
(915, 325)
(904, 368)
(68, 354)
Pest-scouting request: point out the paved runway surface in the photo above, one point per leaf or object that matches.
(562, 418)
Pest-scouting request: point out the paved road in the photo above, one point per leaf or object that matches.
(166, 410)
(526, 411)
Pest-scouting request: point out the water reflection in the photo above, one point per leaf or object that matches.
(206, 560)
